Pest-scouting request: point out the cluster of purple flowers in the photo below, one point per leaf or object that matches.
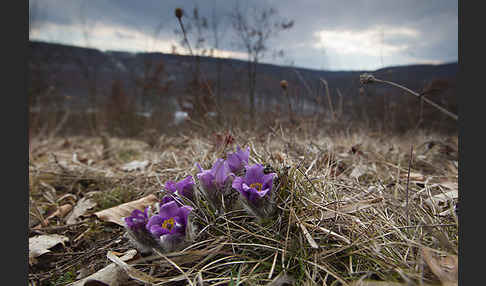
(235, 173)
(165, 230)
(169, 226)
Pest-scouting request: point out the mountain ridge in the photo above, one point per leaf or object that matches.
(74, 70)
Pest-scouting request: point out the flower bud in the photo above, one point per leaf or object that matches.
(284, 84)
(178, 12)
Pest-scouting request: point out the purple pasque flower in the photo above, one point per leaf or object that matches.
(238, 160)
(166, 199)
(184, 187)
(255, 184)
(215, 178)
(137, 220)
(171, 220)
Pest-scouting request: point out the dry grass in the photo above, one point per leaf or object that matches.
(341, 212)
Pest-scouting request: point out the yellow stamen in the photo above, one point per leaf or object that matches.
(168, 223)
(257, 186)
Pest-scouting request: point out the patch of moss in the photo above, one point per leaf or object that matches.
(66, 278)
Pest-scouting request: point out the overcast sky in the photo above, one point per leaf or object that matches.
(331, 35)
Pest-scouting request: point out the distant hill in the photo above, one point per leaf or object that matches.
(76, 72)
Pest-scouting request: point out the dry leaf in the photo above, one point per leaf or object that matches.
(350, 208)
(117, 213)
(134, 165)
(79, 210)
(441, 200)
(445, 267)
(111, 275)
(40, 244)
(61, 212)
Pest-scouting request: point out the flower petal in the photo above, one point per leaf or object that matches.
(138, 214)
(170, 186)
(254, 174)
(268, 180)
(237, 183)
(243, 155)
(219, 172)
(262, 193)
(169, 209)
(207, 180)
(185, 187)
(184, 213)
(234, 162)
(157, 230)
(167, 199)
(154, 220)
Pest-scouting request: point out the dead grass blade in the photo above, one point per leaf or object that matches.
(350, 208)
(332, 233)
(176, 266)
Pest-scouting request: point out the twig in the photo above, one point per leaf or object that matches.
(176, 266)
(368, 78)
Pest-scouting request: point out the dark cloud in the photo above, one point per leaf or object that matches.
(435, 22)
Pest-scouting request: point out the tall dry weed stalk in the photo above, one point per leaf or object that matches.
(199, 84)
(369, 79)
(331, 108)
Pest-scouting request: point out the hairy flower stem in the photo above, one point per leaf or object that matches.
(185, 36)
